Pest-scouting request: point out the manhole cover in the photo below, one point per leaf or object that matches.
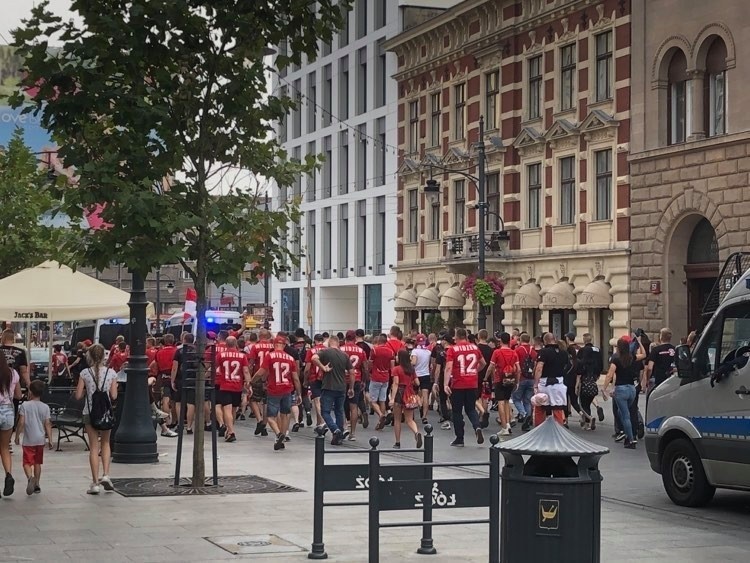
(229, 485)
(263, 544)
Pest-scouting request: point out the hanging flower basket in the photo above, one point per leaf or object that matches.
(483, 291)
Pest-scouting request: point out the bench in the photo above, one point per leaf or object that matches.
(66, 414)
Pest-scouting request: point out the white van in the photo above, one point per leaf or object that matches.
(101, 331)
(216, 320)
(698, 421)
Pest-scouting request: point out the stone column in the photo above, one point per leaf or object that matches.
(697, 119)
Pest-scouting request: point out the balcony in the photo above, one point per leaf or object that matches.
(463, 249)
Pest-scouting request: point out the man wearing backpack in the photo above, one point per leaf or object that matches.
(525, 389)
(590, 367)
(504, 371)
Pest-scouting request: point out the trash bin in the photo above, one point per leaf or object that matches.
(550, 504)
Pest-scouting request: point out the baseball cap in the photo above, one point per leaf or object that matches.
(570, 336)
(627, 338)
(350, 335)
(421, 339)
(87, 342)
(211, 335)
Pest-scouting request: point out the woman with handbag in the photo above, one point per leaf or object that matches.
(99, 385)
(405, 397)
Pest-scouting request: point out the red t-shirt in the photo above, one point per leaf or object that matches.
(280, 367)
(395, 344)
(404, 378)
(505, 361)
(150, 357)
(164, 359)
(58, 361)
(465, 358)
(258, 353)
(522, 351)
(230, 366)
(357, 357)
(314, 374)
(381, 357)
(117, 359)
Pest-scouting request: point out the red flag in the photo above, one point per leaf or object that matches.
(191, 297)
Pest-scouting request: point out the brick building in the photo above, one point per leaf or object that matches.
(690, 155)
(552, 80)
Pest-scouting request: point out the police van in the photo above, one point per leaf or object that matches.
(698, 420)
(216, 320)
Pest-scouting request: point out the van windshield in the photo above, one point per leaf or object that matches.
(81, 334)
(108, 333)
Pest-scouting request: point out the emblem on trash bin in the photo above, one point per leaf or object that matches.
(549, 514)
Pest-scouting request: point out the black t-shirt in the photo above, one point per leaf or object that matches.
(486, 351)
(626, 375)
(663, 357)
(555, 361)
(573, 365)
(181, 357)
(590, 361)
(438, 354)
(15, 356)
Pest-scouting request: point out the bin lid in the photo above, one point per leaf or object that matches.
(551, 438)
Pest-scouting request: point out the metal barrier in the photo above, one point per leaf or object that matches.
(357, 477)
(427, 493)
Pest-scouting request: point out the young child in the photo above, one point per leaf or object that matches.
(34, 422)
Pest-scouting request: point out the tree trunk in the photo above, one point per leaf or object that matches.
(199, 462)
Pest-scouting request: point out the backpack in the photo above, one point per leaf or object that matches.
(100, 409)
(527, 366)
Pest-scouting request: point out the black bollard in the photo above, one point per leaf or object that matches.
(427, 546)
(318, 550)
(374, 508)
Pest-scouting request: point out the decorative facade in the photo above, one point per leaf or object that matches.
(552, 82)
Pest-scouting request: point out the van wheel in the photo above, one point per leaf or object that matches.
(683, 476)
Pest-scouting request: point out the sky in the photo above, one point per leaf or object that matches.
(16, 10)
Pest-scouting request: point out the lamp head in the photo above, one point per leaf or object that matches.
(432, 190)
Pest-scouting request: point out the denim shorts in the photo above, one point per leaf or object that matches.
(7, 417)
(279, 404)
(378, 391)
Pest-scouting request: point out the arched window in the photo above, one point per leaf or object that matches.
(678, 99)
(715, 89)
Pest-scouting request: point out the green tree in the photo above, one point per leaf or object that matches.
(27, 196)
(155, 103)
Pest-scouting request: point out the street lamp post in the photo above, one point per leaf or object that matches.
(135, 438)
(158, 300)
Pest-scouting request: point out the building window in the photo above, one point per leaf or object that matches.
(373, 309)
(362, 80)
(413, 215)
(344, 88)
(289, 309)
(380, 236)
(362, 237)
(343, 242)
(361, 163)
(310, 239)
(459, 118)
(715, 89)
(381, 13)
(297, 115)
(678, 99)
(361, 13)
(381, 79)
(435, 220)
(567, 76)
(380, 152)
(312, 177)
(413, 126)
(567, 190)
(327, 95)
(435, 115)
(603, 185)
(534, 184)
(491, 100)
(297, 186)
(283, 125)
(344, 32)
(327, 167)
(535, 87)
(344, 162)
(604, 66)
(459, 207)
(312, 100)
(493, 202)
(327, 238)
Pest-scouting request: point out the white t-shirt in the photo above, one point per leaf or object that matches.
(422, 365)
(7, 398)
(105, 379)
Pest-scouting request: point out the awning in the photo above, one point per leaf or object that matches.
(407, 299)
(428, 298)
(527, 297)
(595, 296)
(559, 296)
(452, 298)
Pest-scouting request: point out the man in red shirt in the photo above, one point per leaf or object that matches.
(233, 372)
(118, 358)
(382, 362)
(162, 366)
(361, 369)
(463, 362)
(313, 376)
(279, 371)
(525, 390)
(255, 358)
(504, 372)
(394, 340)
(59, 363)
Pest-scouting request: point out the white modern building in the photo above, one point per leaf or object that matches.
(347, 111)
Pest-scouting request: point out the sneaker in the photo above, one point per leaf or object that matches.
(337, 439)
(287, 438)
(641, 430)
(242, 417)
(161, 414)
(397, 446)
(389, 419)
(458, 443)
(308, 420)
(419, 440)
(37, 489)
(207, 428)
(365, 420)
(446, 425)
(189, 431)
(94, 489)
(424, 420)
(582, 420)
(295, 427)
(480, 436)
(503, 432)
(600, 413)
(279, 443)
(222, 431)
(380, 424)
(592, 424)
(345, 434)
(30, 486)
(230, 438)
(629, 445)
(620, 437)
(264, 431)
(106, 482)
(169, 433)
(258, 429)
(351, 438)
(484, 421)
(10, 483)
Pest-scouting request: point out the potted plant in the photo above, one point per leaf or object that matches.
(483, 290)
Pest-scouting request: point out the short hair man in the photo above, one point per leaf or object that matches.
(335, 366)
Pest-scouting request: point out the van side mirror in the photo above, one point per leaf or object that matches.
(684, 362)
(66, 346)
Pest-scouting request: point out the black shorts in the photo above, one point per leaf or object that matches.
(357, 394)
(503, 392)
(259, 392)
(225, 398)
(425, 382)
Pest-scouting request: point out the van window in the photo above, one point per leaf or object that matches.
(723, 336)
(81, 334)
(109, 332)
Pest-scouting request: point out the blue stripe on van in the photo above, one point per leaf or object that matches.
(723, 425)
